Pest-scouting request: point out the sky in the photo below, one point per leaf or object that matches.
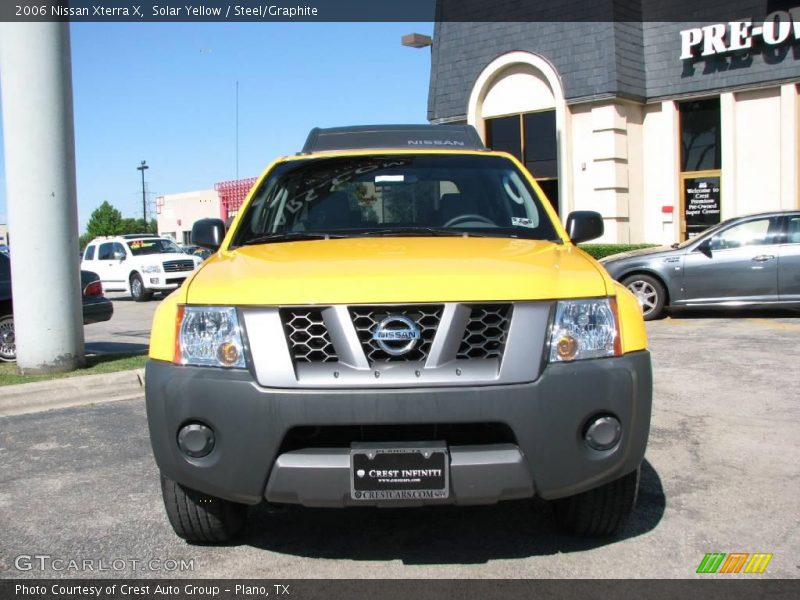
(166, 93)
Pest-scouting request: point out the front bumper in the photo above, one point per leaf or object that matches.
(547, 417)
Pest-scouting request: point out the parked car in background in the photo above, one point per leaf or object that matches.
(96, 307)
(138, 264)
(747, 261)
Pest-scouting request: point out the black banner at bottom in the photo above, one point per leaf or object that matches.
(713, 588)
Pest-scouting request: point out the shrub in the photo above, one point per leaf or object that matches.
(599, 251)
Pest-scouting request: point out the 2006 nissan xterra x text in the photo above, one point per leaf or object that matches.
(396, 317)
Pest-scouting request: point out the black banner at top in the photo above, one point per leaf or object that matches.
(392, 10)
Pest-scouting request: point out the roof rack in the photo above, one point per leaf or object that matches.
(457, 137)
(130, 236)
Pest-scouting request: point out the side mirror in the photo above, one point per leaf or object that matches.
(584, 225)
(208, 233)
(119, 255)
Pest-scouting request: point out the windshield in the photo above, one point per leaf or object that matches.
(394, 195)
(153, 246)
(707, 233)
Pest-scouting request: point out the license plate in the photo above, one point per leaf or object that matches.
(399, 473)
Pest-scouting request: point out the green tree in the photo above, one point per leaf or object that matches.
(105, 220)
(138, 226)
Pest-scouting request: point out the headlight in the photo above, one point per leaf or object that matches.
(585, 329)
(209, 336)
(151, 269)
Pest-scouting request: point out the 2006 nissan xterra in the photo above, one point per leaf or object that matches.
(396, 317)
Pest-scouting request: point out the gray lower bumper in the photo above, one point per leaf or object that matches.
(547, 418)
(478, 475)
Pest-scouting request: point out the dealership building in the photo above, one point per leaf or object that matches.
(176, 213)
(663, 127)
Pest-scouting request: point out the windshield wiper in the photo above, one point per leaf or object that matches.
(290, 236)
(432, 231)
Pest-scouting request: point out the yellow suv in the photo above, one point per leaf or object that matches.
(396, 317)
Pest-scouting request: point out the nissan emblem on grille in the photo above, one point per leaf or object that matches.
(397, 334)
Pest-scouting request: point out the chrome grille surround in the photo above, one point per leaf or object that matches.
(337, 358)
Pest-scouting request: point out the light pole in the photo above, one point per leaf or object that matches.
(142, 168)
(39, 137)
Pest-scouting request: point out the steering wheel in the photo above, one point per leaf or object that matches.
(466, 218)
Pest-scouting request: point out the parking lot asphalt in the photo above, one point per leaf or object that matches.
(720, 475)
(128, 330)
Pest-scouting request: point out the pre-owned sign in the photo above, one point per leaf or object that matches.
(701, 203)
(722, 38)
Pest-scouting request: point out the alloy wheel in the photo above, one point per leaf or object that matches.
(646, 294)
(8, 345)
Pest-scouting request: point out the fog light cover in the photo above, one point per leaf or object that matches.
(196, 440)
(603, 433)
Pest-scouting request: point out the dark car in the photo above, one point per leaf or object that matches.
(96, 307)
(746, 261)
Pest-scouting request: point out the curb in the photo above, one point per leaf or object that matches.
(39, 396)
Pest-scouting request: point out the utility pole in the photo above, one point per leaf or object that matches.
(142, 167)
(38, 129)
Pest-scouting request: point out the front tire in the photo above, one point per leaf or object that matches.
(200, 518)
(649, 292)
(138, 292)
(601, 512)
(8, 343)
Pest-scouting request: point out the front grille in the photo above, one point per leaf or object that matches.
(308, 337)
(367, 318)
(453, 434)
(178, 280)
(486, 332)
(173, 266)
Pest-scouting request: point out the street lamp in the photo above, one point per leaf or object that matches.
(142, 168)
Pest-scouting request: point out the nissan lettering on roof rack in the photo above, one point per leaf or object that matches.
(392, 136)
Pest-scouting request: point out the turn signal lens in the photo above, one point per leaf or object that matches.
(228, 354)
(567, 348)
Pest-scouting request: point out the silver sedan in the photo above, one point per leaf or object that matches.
(746, 261)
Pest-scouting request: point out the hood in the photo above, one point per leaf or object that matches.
(638, 253)
(396, 270)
